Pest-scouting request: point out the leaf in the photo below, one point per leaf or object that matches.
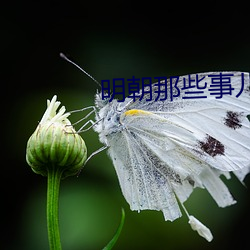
(117, 234)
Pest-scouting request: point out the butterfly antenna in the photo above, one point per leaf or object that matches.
(68, 60)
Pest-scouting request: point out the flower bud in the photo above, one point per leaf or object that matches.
(55, 144)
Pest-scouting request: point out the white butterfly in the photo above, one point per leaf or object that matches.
(162, 150)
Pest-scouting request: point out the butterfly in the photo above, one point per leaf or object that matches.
(162, 150)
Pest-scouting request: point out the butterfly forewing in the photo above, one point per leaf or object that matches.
(219, 125)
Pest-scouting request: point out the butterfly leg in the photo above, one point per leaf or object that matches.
(82, 128)
(86, 116)
(96, 152)
(91, 155)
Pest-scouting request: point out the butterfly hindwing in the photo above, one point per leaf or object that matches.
(142, 184)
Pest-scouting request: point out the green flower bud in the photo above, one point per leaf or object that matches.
(55, 143)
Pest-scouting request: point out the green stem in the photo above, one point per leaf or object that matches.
(54, 177)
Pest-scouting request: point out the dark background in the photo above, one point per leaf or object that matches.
(107, 39)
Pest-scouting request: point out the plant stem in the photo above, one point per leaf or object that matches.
(54, 177)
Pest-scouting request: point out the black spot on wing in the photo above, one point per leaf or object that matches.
(190, 181)
(233, 120)
(212, 146)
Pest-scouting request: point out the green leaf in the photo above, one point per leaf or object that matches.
(117, 234)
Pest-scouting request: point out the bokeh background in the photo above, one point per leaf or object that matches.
(108, 39)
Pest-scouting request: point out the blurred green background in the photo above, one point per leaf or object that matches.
(107, 39)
